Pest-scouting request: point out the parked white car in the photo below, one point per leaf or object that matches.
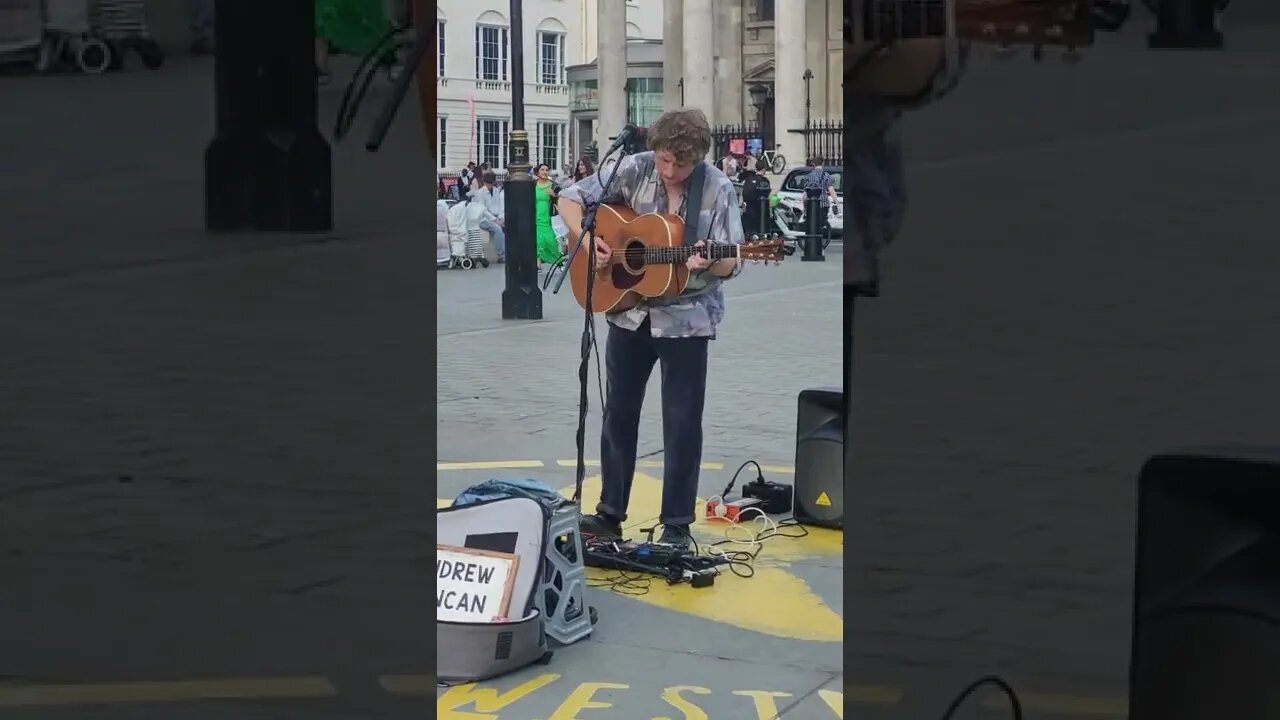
(791, 198)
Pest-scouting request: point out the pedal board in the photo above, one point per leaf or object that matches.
(676, 564)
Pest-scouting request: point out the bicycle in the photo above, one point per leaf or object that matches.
(776, 161)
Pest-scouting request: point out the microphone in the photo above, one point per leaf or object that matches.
(624, 135)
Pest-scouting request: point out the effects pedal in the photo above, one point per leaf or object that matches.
(719, 509)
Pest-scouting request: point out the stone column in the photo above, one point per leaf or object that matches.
(672, 52)
(788, 80)
(816, 56)
(835, 59)
(611, 35)
(728, 76)
(699, 57)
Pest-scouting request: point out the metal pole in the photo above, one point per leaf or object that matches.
(521, 298)
(815, 229)
(1186, 25)
(267, 168)
(808, 75)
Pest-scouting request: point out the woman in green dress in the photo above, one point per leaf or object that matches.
(347, 27)
(545, 193)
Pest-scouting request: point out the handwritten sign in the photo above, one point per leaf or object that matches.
(473, 585)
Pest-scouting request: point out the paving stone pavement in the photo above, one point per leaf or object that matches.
(215, 451)
(1082, 282)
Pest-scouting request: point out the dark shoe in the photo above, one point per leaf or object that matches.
(676, 535)
(600, 526)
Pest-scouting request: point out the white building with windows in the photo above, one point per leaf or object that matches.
(474, 75)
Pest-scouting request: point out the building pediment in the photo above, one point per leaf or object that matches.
(760, 73)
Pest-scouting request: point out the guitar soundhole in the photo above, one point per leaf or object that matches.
(630, 271)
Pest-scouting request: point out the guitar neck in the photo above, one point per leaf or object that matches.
(678, 255)
(885, 21)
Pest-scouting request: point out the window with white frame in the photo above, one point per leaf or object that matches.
(491, 52)
(551, 58)
(551, 144)
(442, 141)
(491, 142)
(439, 48)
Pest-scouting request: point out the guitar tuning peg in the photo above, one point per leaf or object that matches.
(1037, 53)
(1003, 52)
(1071, 56)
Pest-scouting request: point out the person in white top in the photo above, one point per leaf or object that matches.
(442, 232)
(492, 199)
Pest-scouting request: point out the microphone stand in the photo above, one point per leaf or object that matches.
(588, 330)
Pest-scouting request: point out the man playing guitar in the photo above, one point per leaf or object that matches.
(672, 331)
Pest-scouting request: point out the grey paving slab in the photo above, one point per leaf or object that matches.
(1080, 284)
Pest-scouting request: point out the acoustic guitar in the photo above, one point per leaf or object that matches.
(649, 258)
(895, 47)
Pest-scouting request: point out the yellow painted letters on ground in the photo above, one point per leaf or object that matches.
(766, 707)
(581, 699)
(486, 699)
(673, 698)
(834, 700)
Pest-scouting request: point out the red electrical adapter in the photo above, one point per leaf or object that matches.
(720, 510)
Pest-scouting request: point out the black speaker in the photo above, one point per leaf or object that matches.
(819, 488)
(1206, 619)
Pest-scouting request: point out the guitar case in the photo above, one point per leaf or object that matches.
(507, 518)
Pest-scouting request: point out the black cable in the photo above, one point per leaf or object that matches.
(728, 488)
(973, 687)
(381, 53)
(399, 88)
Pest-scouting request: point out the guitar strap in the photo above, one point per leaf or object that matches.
(693, 203)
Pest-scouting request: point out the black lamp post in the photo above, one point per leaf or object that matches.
(521, 299)
(808, 76)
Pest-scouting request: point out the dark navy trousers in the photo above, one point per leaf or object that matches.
(629, 359)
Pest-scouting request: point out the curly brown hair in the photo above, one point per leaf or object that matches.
(685, 133)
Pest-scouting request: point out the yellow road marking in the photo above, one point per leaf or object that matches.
(1073, 705)
(490, 465)
(166, 691)
(783, 469)
(406, 684)
(525, 464)
(867, 694)
(311, 687)
(574, 463)
(774, 601)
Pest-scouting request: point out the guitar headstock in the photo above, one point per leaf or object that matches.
(762, 248)
(1035, 23)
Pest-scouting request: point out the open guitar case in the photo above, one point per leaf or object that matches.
(503, 521)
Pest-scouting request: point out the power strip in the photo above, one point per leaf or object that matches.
(729, 510)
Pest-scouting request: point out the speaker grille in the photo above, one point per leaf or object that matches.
(819, 482)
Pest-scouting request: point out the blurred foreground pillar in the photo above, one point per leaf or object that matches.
(268, 167)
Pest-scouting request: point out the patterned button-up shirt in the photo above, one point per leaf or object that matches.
(698, 310)
(875, 196)
(875, 188)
